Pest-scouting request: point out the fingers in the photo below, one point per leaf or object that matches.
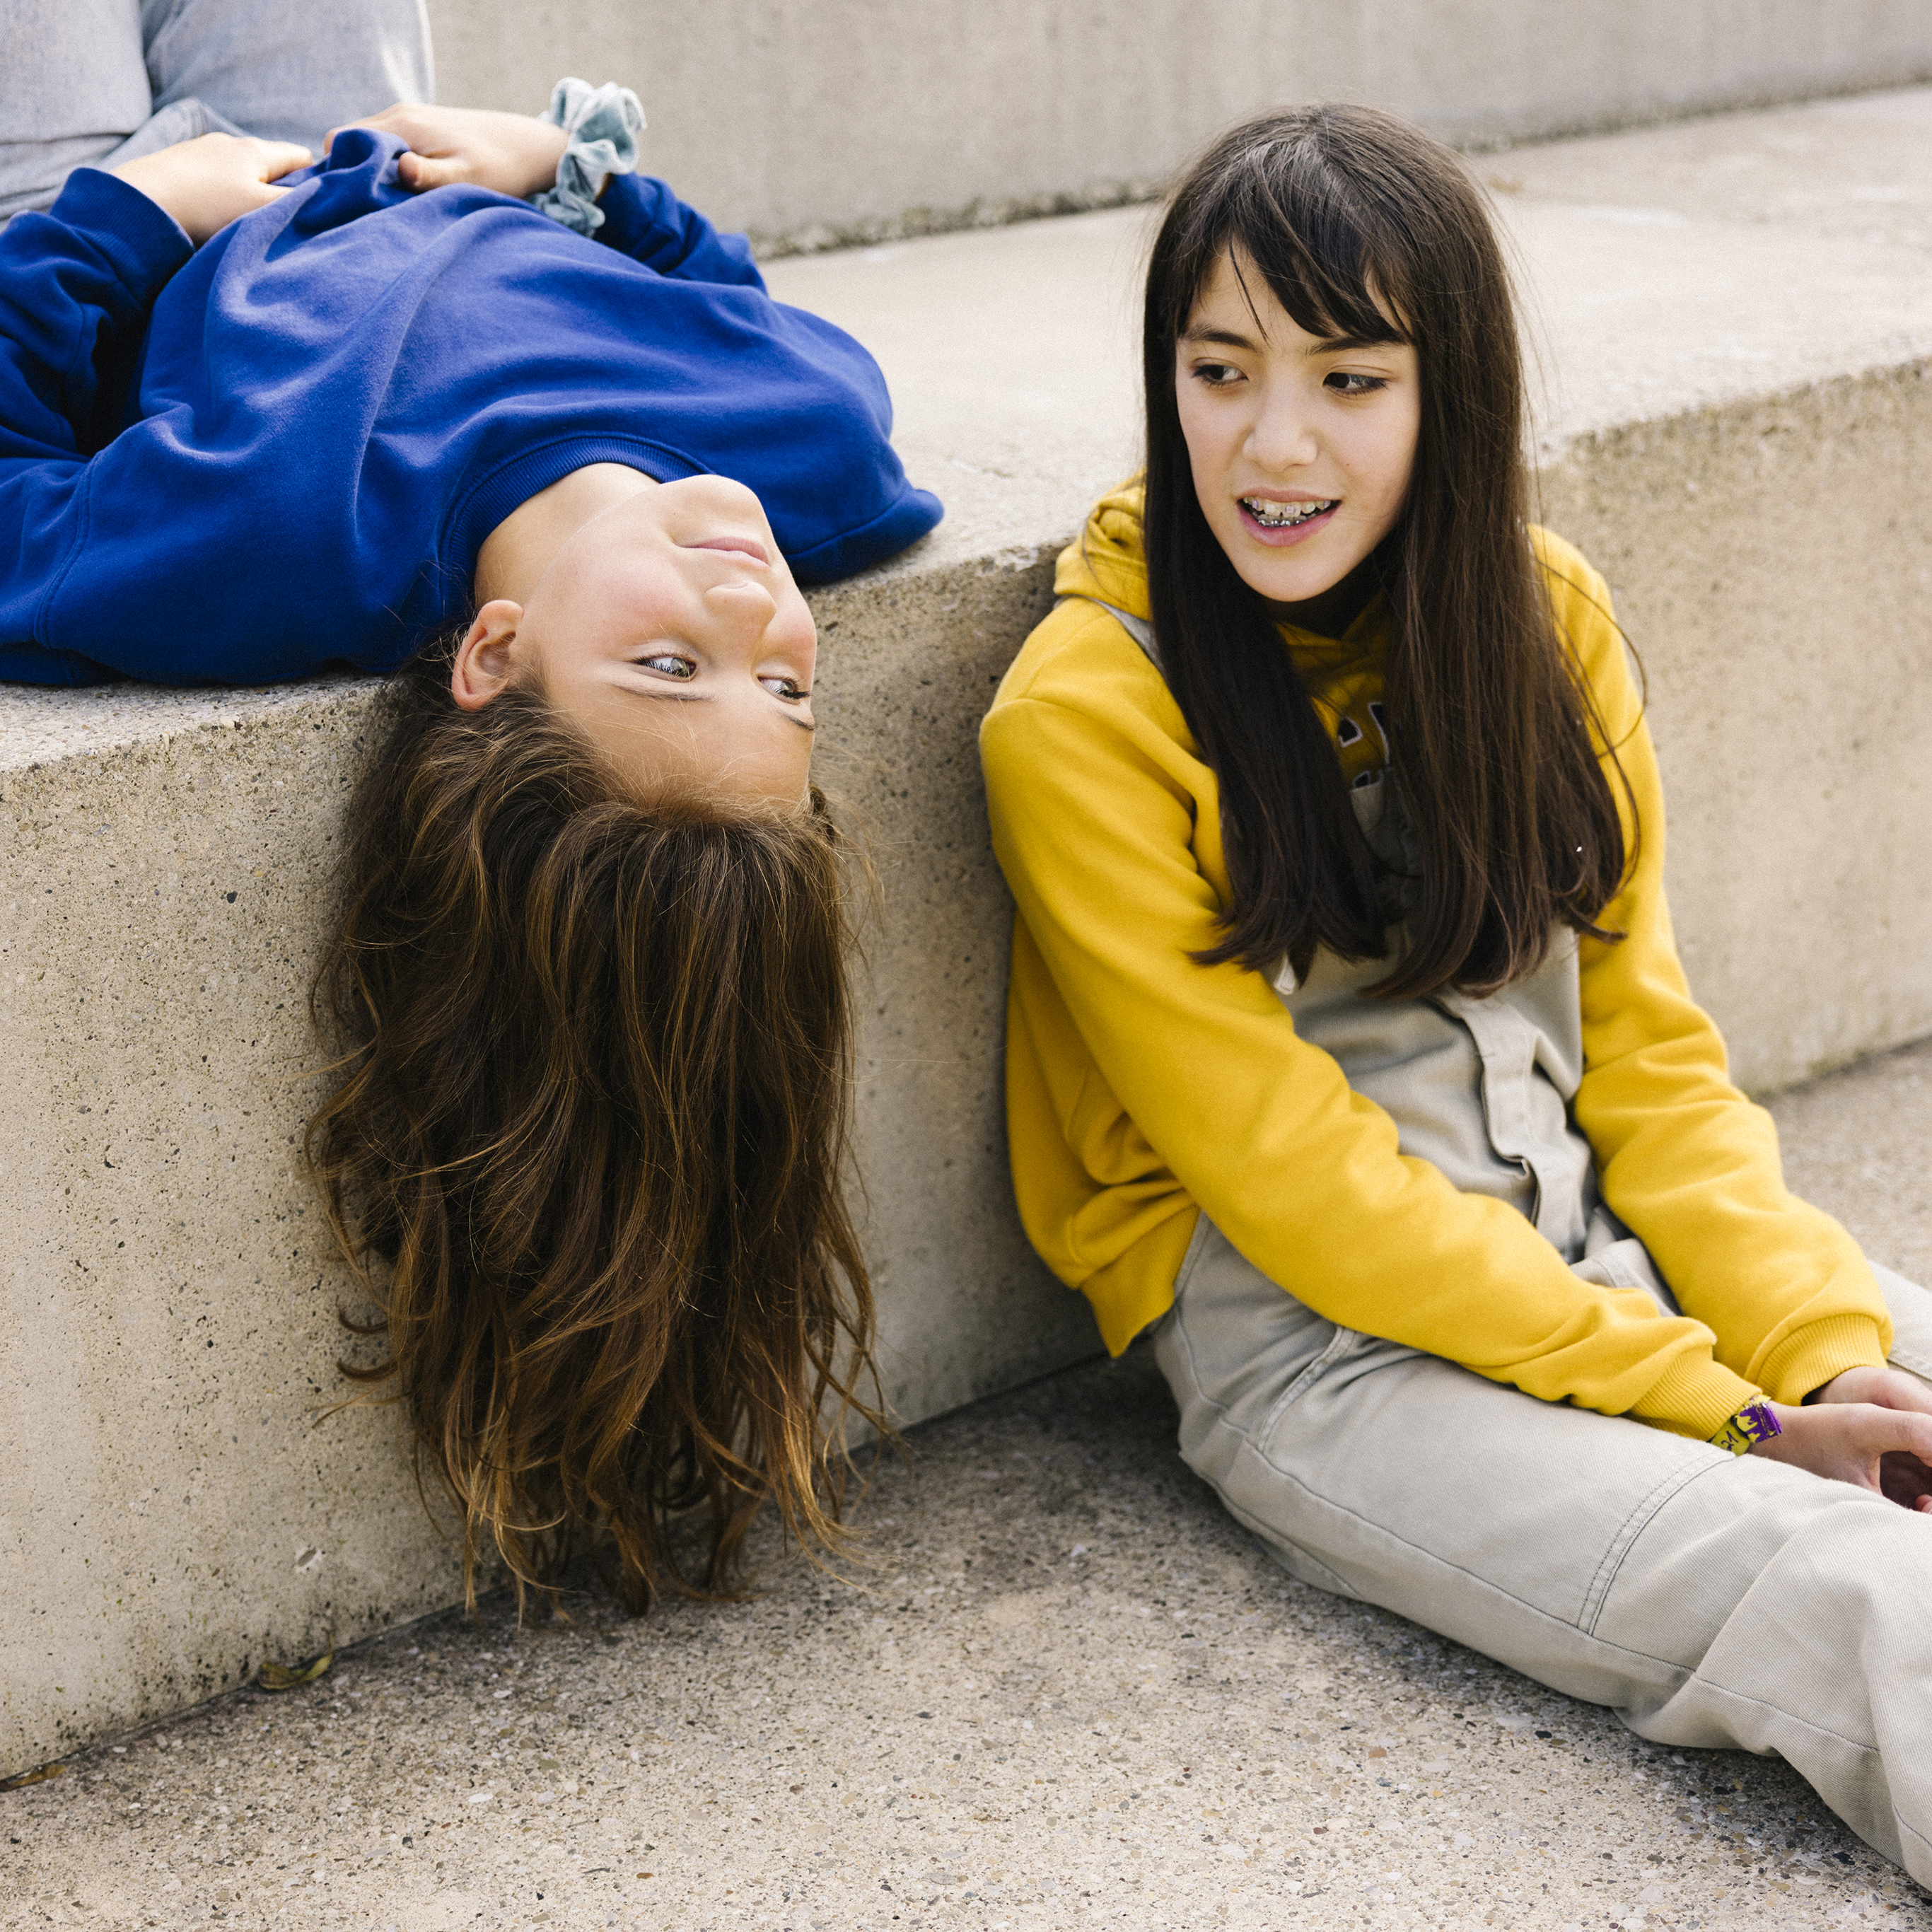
(227, 154)
(1886, 1387)
(1893, 1388)
(402, 117)
(421, 172)
(282, 157)
(1900, 1431)
(388, 117)
(1887, 1450)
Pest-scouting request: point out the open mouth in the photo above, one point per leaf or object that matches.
(1273, 516)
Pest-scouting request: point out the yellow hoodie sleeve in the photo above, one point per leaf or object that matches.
(1102, 822)
(1684, 1159)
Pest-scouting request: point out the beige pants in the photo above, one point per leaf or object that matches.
(1709, 1600)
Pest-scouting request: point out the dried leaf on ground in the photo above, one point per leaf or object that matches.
(27, 1778)
(291, 1677)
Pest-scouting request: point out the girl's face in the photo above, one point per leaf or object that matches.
(1301, 445)
(668, 627)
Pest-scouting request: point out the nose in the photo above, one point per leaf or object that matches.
(1282, 437)
(742, 609)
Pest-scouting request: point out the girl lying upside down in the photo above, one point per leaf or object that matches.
(561, 476)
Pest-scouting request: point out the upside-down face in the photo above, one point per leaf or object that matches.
(668, 627)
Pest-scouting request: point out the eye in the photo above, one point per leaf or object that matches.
(1216, 375)
(1347, 383)
(788, 688)
(670, 664)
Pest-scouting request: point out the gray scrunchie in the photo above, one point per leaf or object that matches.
(602, 125)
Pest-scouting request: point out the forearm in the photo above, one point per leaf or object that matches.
(1691, 1165)
(76, 286)
(1305, 1176)
(644, 219)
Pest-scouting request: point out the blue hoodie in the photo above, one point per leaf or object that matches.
(239, 464)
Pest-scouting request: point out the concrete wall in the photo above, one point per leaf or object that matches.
(170, 1289)
(812, 122)
(1738, 318)
(1792, 706)
(170, 1295)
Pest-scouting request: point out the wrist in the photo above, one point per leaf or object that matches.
(146, 243)
(1753, 1425)
(555, 142)
(599, 128)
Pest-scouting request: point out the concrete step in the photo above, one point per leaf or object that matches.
(1073, 1692)
(1739, 427)
(838, 121)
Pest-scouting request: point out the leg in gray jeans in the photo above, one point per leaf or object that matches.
(101, 81)
(1709, 1600)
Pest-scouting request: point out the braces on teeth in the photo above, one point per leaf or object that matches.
(1279, 516)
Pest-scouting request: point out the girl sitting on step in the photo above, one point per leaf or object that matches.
(560, 468)
(1348, 1052)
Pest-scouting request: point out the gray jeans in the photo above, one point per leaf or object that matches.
(1709, 1600)
(101, 81)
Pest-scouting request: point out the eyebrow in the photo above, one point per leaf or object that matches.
(704, 697)
(1325, 345)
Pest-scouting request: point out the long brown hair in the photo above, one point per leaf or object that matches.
(1363, 227)
(586, 1153)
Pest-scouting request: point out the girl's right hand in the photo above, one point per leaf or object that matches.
(1885, 1448)
(513, 153)
(207, 183)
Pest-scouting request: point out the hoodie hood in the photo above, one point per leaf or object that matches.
(1106, 560)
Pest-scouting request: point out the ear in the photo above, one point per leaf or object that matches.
(486, 659)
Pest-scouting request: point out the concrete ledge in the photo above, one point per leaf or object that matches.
(1074, 1692)
(933, 118)
(1739, 425)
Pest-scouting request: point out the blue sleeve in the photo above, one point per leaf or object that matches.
(644, 219)
(77, 286)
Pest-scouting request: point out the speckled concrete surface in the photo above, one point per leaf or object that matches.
(804, 132)
(1065, 1690)
(1860, 1145)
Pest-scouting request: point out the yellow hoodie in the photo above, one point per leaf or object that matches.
(1142, 1089)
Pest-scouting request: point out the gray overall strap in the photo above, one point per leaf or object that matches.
(1138, 628)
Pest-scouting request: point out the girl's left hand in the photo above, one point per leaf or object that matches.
(1829, 1437)
(514, 154)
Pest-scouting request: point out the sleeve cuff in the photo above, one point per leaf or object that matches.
(1810, 1357)
(1695, 1396)
(627, 222)
(144, 242)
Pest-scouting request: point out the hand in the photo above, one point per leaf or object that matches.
(511, 153)
(1871, 1426)
(206, 184)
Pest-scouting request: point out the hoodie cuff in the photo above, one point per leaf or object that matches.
(1695, 1396)
(144, 242)
(1808, 1357)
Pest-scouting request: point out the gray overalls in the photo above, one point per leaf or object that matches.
(1710, 1600)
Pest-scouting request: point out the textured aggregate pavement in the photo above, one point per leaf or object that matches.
(1067, 1691)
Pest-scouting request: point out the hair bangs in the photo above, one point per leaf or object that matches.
(1310, 235)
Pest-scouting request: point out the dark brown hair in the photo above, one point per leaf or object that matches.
(587, 1152)
(1364, 227)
